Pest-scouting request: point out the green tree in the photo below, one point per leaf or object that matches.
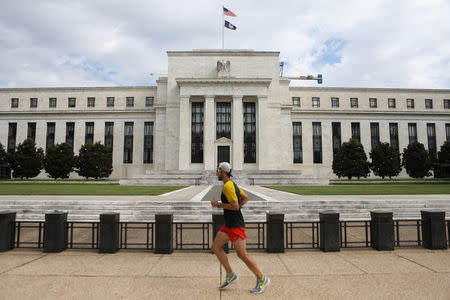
(444, 154)
(385, 161)
(26, 161)
(59, 161)
(351, 160)
(416, 160)
(94, 160)
(3, 157)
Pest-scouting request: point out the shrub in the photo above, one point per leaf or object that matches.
(59, 161)
(416, 160)
(26, 161)
(444, 154)
(3, 157)
(385, 161)
(351, 160)
(94, 160)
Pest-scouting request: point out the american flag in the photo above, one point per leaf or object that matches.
(228, 12)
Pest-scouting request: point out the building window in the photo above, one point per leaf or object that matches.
(249, 132)
(128, 143)
(296, 101)
(446, 103)
(72, 102)
(334, 102)
(429, 103)
(148, 142)
(374, 134)
(356, 132)
(372, 102)
(315, 102)
(412, 132)
(14, 102)
(89, 135)
(149, 101)
(393, 133)
(12, 133)
(223, 120)
(52, 102)
(431, 134)
(50, 141)
(317, 142)
(91, 102)
(391, 103)
(447, 132)
(197, 133)
(353, 102)
(110, 102)
(109, 135)
(70, 133)
(336, 132)
(297, 142)
(410, 103)
(130, 101)
(31, 133)
(33, 102)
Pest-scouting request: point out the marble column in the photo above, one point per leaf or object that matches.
(209, 134)
(238, 133)
(261, 143)
(184, 150)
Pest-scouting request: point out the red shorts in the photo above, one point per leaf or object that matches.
(234, 233)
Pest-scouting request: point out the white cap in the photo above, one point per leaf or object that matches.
(224, 166)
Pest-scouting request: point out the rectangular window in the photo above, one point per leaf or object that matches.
(31, 132)
(372, 102)
(353, 102)
(130, 101)
(334, 102)
(14, 102)
(297, 142)
(110, 102)
(128, 143)
(197, 132)
(428, 103)
(356, 132)
(109, 135)
(249, 132)
(315, 102)
(296, 101)
(33, 102)
(70, 133)
(52, 102)
(89, 134)
(336, 132)
(412, 132)
(391, 103)
(410, 103)
(72, 102)
(317, 142)
(148, 142)
(393, 133)
(431, 133)
(149, 101)
(50, 141)
(374, 134)
(12, 134)
(446, 103)
(91, 102)
(223, 120)
(447, 132)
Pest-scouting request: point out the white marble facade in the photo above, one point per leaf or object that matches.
(212, 76)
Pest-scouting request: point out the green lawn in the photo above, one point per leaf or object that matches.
(368, 189)
(82, 189)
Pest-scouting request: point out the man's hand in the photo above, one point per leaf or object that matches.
(214, 202)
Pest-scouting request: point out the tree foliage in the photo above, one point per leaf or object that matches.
(444, 154)
(3, 157)
(416, 160)
(351, 160)
(385, 161)
(59, 161)
(94, 160)
(26, 161)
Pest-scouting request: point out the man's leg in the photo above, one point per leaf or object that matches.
(220, 240)
(241, 249)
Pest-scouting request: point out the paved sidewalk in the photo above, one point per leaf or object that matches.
(350, 274)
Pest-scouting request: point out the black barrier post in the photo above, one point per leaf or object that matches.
(55, 232)
(164, 234)
(7, 230)
(433, 229)
(382, 230)
(330, 237)
(218, 221)
(275, 232)
(109, 233)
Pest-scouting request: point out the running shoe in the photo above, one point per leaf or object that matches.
(229, 281)
(260, 285)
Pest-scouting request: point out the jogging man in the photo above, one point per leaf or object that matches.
(233, 198)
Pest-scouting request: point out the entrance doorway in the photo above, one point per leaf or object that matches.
(223, 154)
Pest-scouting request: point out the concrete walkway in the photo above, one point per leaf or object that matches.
(350, 274)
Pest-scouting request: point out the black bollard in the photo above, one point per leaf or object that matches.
(218, 221)
(330, 238)
(55, 232)
(275, 233)
(109, 233)
(163, 233)
(433, 229)
(382, 230)
(7, 230)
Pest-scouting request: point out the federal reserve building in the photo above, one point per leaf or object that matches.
(224, 105)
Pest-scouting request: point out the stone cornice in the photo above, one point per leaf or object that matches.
(381, 90)
(77, 89)
(229, 80)
(77, 112)
(220, 52)
(369, 112)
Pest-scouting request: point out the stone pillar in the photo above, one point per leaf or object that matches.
(184, 151)
(209, 134)
(238, 133)
(109, 233)
(382, 230)
(7, 230)
(330, 239)
(433, 229)
(163, 233)
(261, 145)
(275, 232)
(55, 232)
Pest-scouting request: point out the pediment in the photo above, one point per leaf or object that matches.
(223, 141)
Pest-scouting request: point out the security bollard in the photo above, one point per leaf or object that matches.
(275, 233)
(382, 230)
(55, 232)
(218, 221)
(163, 234)
(330, 238)
(109, 233)
(433, 229)
(7, 230)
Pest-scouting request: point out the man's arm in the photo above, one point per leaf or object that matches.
(234, 205)
(244, 199)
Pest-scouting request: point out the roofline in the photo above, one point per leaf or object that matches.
(80, 89)
(368, 89)
(227, 52)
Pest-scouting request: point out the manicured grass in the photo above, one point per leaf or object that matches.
(368, 189)
(82, 189)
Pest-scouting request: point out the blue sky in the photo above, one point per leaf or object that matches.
(377, 43)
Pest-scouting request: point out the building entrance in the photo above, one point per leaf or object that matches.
(223, 154)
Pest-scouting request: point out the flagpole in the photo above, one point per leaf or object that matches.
(223, 27)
